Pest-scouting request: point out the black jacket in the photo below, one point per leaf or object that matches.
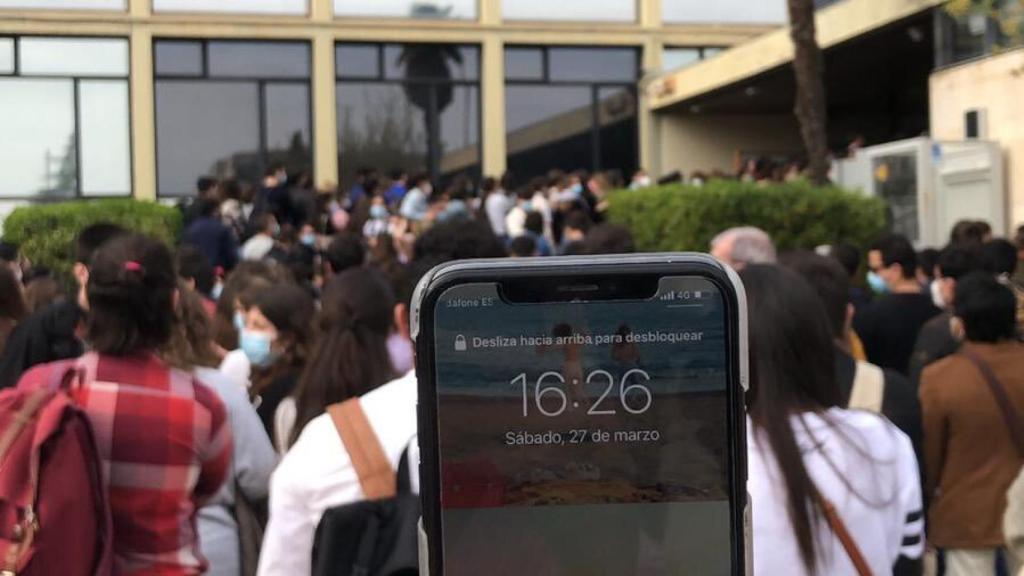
(900, 403)
(48, 335)
(934, 342)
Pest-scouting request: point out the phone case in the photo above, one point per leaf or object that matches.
(439, 279)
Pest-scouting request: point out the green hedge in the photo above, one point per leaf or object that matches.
(796, 215)
(46, 232)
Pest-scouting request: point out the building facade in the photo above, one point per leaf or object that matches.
(141, 97)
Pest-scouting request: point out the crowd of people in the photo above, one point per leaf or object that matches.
(208, 372)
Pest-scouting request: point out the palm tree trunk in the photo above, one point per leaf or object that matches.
(810, 88)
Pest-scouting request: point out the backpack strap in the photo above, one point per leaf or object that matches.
(1009, 411)
(868, 388)
(376, 476)
(843, 534)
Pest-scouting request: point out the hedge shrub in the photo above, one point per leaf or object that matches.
(46, 232)
(796, 215)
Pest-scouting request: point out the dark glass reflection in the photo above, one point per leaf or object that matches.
(548, 127)
(172, 58)
(258, 59)
(580, 116)
(357, 60)
(431, 61)
(593, 64)
(231, 128)
(524, 64)
(205, 128)
(421, 114)
(617, 108)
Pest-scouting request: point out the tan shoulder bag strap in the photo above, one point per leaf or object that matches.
(868, 388)
(376, 476)
(844, 536)
(1006, 407)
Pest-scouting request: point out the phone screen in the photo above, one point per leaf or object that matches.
(584, 438)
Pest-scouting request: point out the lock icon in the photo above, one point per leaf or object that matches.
(460, 343)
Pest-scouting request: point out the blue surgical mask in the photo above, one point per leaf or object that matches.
(308, 239)
(257, 348)
(378, 212)
(239, 321)
(577, 188)
(877, 284)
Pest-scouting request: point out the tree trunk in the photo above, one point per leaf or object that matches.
(810, 88)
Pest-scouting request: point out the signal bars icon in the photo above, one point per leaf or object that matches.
(669, 297)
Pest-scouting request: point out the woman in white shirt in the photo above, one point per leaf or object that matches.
(805, 452)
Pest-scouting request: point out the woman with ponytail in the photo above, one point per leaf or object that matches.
(351, 355)
(833, 491)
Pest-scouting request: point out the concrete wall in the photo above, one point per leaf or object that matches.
(996, 85)
(689, 142)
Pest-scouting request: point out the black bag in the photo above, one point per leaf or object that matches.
(378, 536)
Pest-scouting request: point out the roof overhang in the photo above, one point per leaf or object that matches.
(836, 24)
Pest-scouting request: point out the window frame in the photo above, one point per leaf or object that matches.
(595, 89)
(76, 81)
(307, 10)
(5, 10)
(635, 21)
(261, 89)
(382, 78)
(475, 19)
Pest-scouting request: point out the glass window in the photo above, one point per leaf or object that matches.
(378, 126)
(249, 108)
(619, 131)
(104, 137)
(235, 6)
(724, 11)
(258, 59)
(672, 58)
(524, 64)
(66, 4)
(357, 60)
(206, 128)
(571, 10)
(41, 161)
(582, 115)
(425, 9)
(593, 64)
(548, 127)
(173, 58)
(424, 115)
(6, 55)
(286, 110)
(711, 52)
(73, 56)
(436, 61)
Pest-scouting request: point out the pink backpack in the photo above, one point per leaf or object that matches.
(54, 515)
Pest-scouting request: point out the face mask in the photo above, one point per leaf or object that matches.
(378, 212)
(428, 189)
(239, 321)
(577, 188)
(643, 181)
(218, 289)
(308, 240)
(277, 230)
(936, 291)
(876, 283)
(257, 348)
(282, 179)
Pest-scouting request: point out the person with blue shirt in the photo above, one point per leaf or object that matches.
(399, 186)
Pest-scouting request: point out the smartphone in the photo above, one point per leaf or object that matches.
(582, 416)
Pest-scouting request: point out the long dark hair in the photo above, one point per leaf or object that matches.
(351, 355)
(792, 371)
(131, 295)
(291, 310)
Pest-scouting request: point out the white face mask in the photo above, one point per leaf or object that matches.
(936, 290)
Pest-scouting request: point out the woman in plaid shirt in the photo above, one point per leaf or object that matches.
(163, 438)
